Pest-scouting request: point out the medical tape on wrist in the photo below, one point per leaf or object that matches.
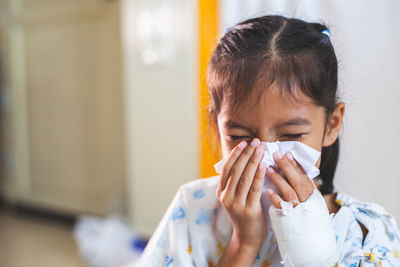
(305, 233)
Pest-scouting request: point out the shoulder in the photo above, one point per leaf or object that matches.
(369, 213)
(199, 183)
(383, 236)
(370, 209)
(200, 188)
(365, 211)
(197, 195)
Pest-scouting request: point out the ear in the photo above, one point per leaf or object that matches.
(334, 125)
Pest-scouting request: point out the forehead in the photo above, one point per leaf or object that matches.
(272, 106)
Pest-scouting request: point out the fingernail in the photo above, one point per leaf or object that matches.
(255, 142)
(271, 170)
(289, 156)
(242, 144)
(278, 154)
(269, 191)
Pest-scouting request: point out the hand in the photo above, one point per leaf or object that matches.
(240, 190)
(298, 187)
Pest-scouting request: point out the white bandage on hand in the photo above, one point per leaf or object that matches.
(305, 233)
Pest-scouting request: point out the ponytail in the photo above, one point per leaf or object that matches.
(329, 160)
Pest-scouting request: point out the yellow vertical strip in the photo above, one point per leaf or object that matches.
(208, 34)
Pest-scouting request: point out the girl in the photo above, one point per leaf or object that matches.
(270, 79)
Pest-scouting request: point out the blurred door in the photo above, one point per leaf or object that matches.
(65, 83)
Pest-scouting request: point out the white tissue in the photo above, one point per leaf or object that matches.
(304, 154)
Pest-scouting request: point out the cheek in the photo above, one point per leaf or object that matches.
(314, 141)
(226, 147)
(318, 163)
(313, 144)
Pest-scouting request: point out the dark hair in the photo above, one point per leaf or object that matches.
(289, 52)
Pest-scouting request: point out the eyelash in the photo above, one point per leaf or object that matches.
(293, 136)
(235, 137)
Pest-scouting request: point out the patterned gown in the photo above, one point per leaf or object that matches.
(196, 229)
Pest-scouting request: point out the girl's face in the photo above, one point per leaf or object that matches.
(276, 117)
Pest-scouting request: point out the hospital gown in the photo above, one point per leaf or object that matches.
(196, 229)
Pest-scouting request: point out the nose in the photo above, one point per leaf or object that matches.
(264, 138)
(266, 134)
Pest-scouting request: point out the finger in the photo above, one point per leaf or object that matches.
(247, 177)
(300, 169)
(239, 167)
(226, 169)
(296, 179)
(274, 198)
(284, 187)
(295, 163)
(255, 192)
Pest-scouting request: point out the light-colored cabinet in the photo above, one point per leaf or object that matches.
(65, 115)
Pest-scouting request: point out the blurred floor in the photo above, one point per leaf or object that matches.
(35, 240)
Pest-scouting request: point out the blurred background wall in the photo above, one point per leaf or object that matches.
(103, 101)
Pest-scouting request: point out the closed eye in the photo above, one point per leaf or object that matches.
(236, 137)
(293, 136)
(289, 136)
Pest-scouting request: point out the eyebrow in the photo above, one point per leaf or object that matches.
(235, 125)
(295, 121)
